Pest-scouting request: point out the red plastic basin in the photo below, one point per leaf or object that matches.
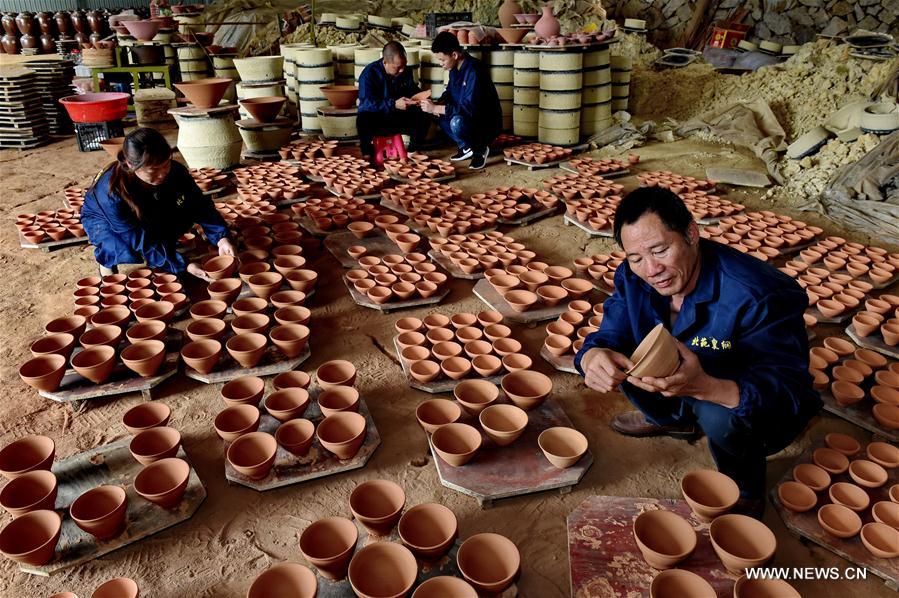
(96, 107)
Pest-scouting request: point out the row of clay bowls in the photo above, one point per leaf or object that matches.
(140, 287)
(853, 259)
(600, 166)
(682, 183)
(309, 150)
(210, 178)
(397, 279)
(514, 202)
(437, 343)
(566, 335)
(524, 287)
(476, 252)
(233, 209)
(759, 233)
(537, 153)
(53, 224)
(422, 193)
(338, 213)
(600, 267)
(335, 165)
(418, 166)
(277, 182)
(276, 230)
(120, 587)
(572, 186)
(598, 214)
(841, 516)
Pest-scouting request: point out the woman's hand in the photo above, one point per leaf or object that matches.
(225, 246)
(199, 272)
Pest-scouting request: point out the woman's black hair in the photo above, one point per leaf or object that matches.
(662, 202)
(445, 43)
(142, 147)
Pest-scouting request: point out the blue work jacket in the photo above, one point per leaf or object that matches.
(744, 322)
(378, 91)
(170, 210)
(470, 93)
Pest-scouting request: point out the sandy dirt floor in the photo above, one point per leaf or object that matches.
(237, 533)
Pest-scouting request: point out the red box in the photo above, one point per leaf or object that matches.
(728, 35)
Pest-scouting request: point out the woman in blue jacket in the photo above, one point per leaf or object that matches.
(140, 205)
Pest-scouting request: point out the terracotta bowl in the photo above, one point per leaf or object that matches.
(337, 399)
(296, 436)
(443, 586)
(849, 495)
(120, 587)
(44, 372)
(679, 583)
(489, 562)
(656, 355)
(101, 511)
(342, 433)
(526, 389)
(839, 520)
(145, 416)
(59, 343)
(29, 453)
(144, 357)
(886, 511)
(503, 424)
(741, 542)
(383, 569)
(884, 454)
(235, 421)
(881, 540)
(796, 497)
(202, 355)
(562, 447)
(475, 395)
(31, 539)
(428, 530)
(293, 379)
(664, 538)
(868, 474)
(336, 373)
(222, 266)
(153, 330)
(154, 444)
(887, 415)
(102, 335)
(73, 325)
(291, 339)
(95, 364)
(287, 404)
(286, 580)
(32, 491)
(709, 493)
(328, 544)
(434, 413)
(253, 454)
(763, 588)
(247, 349)
(843, 443)
(456, 443)
(210, 308)
(163, 482)
(831, 461)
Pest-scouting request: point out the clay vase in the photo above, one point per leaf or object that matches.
(664, 538)
(428, 530)
(48, 45)
(145, 416)
(10, 44)
(290, 580)
(31, 491)
(378, 505)
(548, 25)
(741, 542)
(63, 24)
(709, 493)
(101, 511)
(9, 24)
(25, 22)
(342, 434)
(120, 587)
(253, 454)
(45, 23)
(163, 482)
(507, 13)
(154, 444)
(79, 22)
(383, 569)
(676, 583)
(31, 539)
(29, 41)
(329, 544)
(489, 562)
(95, 21)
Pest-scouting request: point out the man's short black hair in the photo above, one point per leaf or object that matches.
(662, 202)
(393, 51)
(445, 43)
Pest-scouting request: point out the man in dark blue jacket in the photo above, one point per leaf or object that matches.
(743, 376)
(386, 106)
(469, 110)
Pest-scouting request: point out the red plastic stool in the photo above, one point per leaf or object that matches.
(389, 148)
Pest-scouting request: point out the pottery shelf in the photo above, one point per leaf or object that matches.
(602, 552)
(273, 362)
(805, 525)
(873, 342)
(451, 268)
(47, 246)
(489, 295)
(442, 383)
(291, 469)
(563, 363)
(518, 469)
(528, 218)
(111, 464)
(376, 244)
(604, 232)
(392, 306)
(567, 167)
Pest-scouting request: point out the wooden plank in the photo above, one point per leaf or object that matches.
(290, 469)
(603, 557)
(272, 362)
(111, 464)
(563, 363)
(442, 383)
(875, 343)
(498, 472)
(364, 301)
(567, 167)
(377, 244)
(529, 217)
(806, 524)
(50, 245)
(822, 319)
(859, 414)
(532, 166)
(489, 295)
(605, 232)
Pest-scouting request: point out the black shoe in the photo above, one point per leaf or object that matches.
(479, 160)
(462, 154)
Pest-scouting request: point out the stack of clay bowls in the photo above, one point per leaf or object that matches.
(237, 208)
(272, 181)
(396, 277)
(346, 175)
(537, 153)
(477, 252)
(537, 285)
(601, 166)
(463, 345)
(511, 203)
(50, 225)
(656, 356)
(338, 213)
(439, 208)
(164, 477)
(308, 150)
(600, 267)
(850, 485)
(419, 166)
(565, 336)
(761, 234)
(208, 179)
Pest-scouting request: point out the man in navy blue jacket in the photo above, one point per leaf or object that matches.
(743, 376)
(469, 109)
(386, 106)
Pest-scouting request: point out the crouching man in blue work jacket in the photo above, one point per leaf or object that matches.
(743, 377)
(469, 111)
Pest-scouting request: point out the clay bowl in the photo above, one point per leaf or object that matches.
(336, 373)
(679, 583)
(154, 444)
(253, 454)
(709, 493)
(144, 357)
(843, 443)
(867, 474)
(155, 310)
(294, 314)
(383, 569)
(202, 355)
(435, 413)
(101, 511)
(664, 538)
(456, 443)
(881, 540)
(741, 542)
(44, 372)
(145, 416)
(296, 436)
(225, 289)
(849, 495)
(526, 389)
(443, 586)
(95, 364)
(247, 349)
(475, 395)
(205, 328)
(263, 109)
(28, 492)
(796, 496)
(377, 504)
(73, 325)
(287, 298)
(503, 424)
(884, 454)
(292, 379)
(235, 421)
(489, 562)
(25, 454)
(886, 512)
(839, 520)
(833, 462)
(764, 588)
(428, 530)
(521, 300)
(265, 284)
(291, 339)
(222, 266)
(329, 544)
(562, 446)
(342, 433)
(59, 343)
(337, 399)
(210, 308)
(287, 404)
(656, 355)
(120, 587)
(31, 539)
(246, 390)
(285, 580)
(163, 482)
(887, 415)
(153, 330)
